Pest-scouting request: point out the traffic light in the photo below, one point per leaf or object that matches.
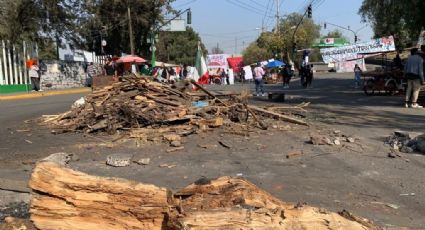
(355, 39)
(189, 17)
(309, 11)
(324, 25)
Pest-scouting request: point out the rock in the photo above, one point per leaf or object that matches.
(172, 137)
(79, 103)
(394, 146)
(406, 149)
(420, 143)
(392, 155)
(144, 161)
(58, 158)
(175, 144)
(118, 160)
(402, 134)
(351, 139)
(337, 142)
(320, 140)
(337, 131)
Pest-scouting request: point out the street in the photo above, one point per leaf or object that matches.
(358, 177)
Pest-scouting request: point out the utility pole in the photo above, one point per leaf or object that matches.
(277, 16)
(130, 29)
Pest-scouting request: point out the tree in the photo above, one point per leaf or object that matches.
(108, 19)
(179, 47)
(334, 34)
(217, 50)
(253, 54)
(401, 18)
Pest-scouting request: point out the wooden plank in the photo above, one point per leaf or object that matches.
(277, 115)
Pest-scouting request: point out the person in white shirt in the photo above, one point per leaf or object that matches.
(35, 77)
(259, 84)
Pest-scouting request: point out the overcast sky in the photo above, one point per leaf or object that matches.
(233, 24)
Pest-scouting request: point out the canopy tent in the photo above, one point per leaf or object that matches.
(275, 64)
(159, 64)
(131, 59)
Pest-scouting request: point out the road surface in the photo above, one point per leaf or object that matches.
(358, 177)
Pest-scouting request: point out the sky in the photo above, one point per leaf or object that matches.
(234, 24)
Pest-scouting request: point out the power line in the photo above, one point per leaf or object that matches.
(185, 4)
(244, 7)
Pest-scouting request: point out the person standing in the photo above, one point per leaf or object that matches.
(259, 84)
(308, 75)
(91, 72)
(35, 77)
(357, 76)
(414, 73)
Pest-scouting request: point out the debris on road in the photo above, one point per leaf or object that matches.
(294, 154)
(320, 140)
(141, 108)
(144, 161)
(119, 160)
(175, 149)
(167, 166)
(402, 141)
(59, 158)
(225, 144)
(69, 199)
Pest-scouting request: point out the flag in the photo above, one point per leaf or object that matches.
(201, 67)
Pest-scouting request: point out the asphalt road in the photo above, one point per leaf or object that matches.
(358, 177)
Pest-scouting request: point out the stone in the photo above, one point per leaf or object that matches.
(58, 158)
(175, 144)
(337, 131)
(144, 161)
(392, 155)
(75, 157)
(320, 140)
(420, 143)
(119, 160)
(394, 146)
(351, 139)
(402, 134)
(406, 149)
(337, 142)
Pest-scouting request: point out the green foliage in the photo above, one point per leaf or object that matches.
(253, 54)
(108, 19)
(401, 18)
(179, 47)
(334, 34)
(278, 45)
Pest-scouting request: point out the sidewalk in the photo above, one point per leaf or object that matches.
(29, 95)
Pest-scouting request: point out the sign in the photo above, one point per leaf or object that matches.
(236, 63)
(331, 42)
(174, 26)
(248, 73)
(348, 66)
(217, 61)
(357, 51)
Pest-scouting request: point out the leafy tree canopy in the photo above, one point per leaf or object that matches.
(401, 18)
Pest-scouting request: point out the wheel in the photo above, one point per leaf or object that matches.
(369, 87)
(390, 87)
(217, 81)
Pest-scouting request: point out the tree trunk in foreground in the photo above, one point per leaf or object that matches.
(67, 199)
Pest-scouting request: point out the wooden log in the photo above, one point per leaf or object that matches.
(278, 115)
(67, 199)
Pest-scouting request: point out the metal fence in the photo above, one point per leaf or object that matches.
(13, 57)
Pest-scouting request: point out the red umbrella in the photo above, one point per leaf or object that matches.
(131, 59)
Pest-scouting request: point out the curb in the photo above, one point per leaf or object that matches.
(44, 94)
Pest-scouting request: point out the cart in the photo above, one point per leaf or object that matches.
(383, 82)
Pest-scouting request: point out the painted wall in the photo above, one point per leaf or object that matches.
(62, 75)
